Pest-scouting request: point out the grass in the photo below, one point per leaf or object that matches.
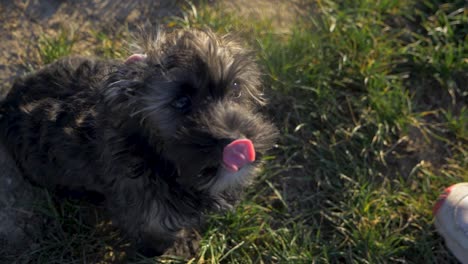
(370, 98)
(51, 48)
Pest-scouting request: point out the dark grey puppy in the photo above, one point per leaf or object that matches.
(165, 136)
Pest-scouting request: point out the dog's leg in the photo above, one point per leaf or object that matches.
(150, 238)
(20, 224)
(139, 212)
(155, 243)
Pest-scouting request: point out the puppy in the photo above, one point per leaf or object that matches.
(166, 136)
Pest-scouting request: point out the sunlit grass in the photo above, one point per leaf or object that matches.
(53, 47)
(346, 88)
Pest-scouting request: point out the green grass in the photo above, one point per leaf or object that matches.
(110, 46)
(51, 48)
(370, 98)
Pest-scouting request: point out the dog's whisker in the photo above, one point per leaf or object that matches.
(117, 82)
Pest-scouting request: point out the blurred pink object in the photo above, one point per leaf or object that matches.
(451, 219)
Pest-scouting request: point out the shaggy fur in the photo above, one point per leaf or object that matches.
(147, 134)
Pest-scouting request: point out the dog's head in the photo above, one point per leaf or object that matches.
(197, 94)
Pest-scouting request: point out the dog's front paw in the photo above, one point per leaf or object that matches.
(149, 251)
(152, 246)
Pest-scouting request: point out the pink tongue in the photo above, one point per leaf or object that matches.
(238, 153)
(135, 58)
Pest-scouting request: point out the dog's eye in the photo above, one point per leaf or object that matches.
(182, 103)
(235, 87)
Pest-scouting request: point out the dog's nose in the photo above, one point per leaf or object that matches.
(238, 153)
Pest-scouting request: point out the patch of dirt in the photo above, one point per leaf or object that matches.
(282, 14)
(23, 22)
(417, 149)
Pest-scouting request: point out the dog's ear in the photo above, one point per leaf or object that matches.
(135, 58)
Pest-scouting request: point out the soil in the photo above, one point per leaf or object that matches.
(23, 22)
